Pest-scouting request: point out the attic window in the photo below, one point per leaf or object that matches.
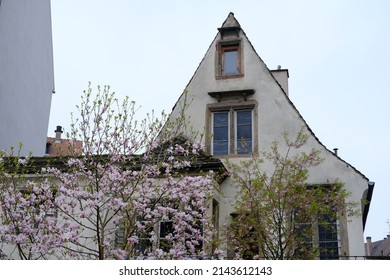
(229, 60)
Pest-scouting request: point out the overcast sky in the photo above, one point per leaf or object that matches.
(337, 53)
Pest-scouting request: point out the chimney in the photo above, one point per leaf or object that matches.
(368, 246)
(335, 150)
(58, 132)
(281, 76)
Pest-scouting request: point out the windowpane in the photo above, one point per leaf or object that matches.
(221, 119)
(328, 240)
(244, 146)
(244, 117)
(144, 241)
(220, 133)
(244, 132)
(220, 148)
(230, 62)
(166, 228)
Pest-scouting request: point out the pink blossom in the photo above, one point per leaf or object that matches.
(22, 161)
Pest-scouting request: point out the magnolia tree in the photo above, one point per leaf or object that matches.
(28, 227)
(126, 194)
(276, 210)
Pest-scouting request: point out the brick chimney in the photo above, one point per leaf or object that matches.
(368, 246)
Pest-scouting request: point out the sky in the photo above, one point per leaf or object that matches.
(336, 51)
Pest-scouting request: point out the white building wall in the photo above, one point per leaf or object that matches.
(276, 115)
(26, 74)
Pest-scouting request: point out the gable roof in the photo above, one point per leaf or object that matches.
(230, 22)
(199, 162)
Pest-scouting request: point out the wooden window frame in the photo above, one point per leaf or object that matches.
(232, 108)
(226, 46)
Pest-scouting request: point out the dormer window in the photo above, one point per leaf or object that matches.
(229, 60)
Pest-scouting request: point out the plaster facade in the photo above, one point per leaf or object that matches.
(26, 74)
(266, 92)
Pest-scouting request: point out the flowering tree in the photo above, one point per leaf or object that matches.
(276, 209)
(129, 194)
(28, 228)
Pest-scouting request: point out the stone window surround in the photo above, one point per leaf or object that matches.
(232, 106)
(227, 45)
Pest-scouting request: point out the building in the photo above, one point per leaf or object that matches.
(232, 96)
(26, 228)
(26, 74)
(378, 249)
(58, 146)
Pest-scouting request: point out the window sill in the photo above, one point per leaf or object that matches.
(225, 77)
(235, 156)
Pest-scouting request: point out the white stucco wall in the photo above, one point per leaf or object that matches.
(26, 74)
(275, 115)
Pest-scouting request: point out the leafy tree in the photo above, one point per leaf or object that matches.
(132, 177)
(276, 211)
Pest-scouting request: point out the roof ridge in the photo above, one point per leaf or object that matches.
(231, 22)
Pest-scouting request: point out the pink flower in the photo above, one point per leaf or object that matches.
(22, 161)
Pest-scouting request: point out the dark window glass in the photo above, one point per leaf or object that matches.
(244, 132)
(303, 235)
(144, 238)
(166, 228)
(47, 148)
(221, 119)
(144, 244)
(215, 221)
(328, 240)
(221, 133)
